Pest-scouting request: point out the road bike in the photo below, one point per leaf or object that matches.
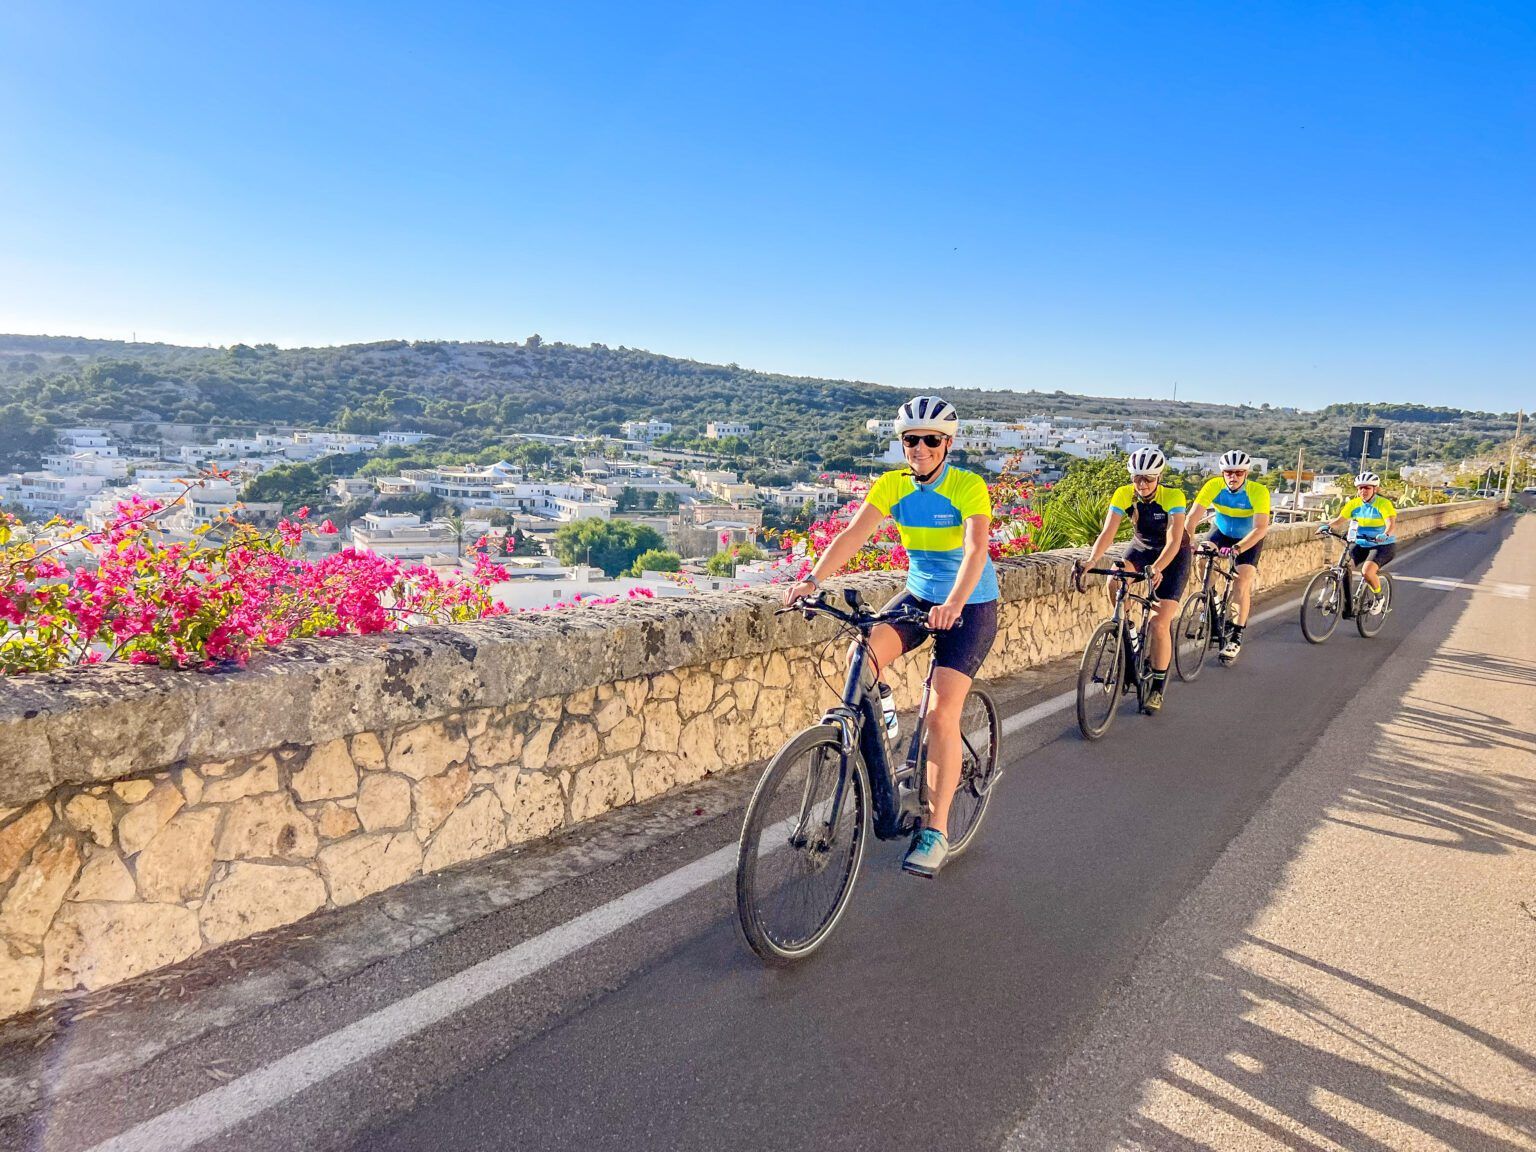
(1119, 654)
(1339, 592)
(1205, 621)
(809, 820)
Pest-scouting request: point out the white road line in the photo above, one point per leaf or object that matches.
(215, 1112)
(1490, 587)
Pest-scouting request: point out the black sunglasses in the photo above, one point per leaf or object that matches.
(932, 439)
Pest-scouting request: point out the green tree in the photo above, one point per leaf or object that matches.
(724, 563)
(612, 545)
(656, 560)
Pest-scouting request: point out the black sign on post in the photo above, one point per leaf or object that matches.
(1365, 441)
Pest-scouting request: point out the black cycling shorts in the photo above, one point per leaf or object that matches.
(1360, 553)
(1175, 576)
(1247, 556)
(962, 647)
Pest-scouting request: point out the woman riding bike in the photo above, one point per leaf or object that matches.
(1158, 546)
(944, 515)
(1372, 516)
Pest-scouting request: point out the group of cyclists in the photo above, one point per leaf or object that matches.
(944, 516)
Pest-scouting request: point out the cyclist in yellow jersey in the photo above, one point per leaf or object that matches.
(1241, 506)
(944, 515)
(1158, 547)
(1370, 517)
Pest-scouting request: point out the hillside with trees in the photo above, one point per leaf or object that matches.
(476, 394)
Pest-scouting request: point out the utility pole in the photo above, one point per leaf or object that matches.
(1386, 462)
(1509, 478)
(1296, 493)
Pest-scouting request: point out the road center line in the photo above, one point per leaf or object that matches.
(214, 1112)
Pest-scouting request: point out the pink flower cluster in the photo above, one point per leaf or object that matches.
(141, 597)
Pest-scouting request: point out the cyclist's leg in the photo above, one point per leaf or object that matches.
(1170, 589)
(959, 654)
(1377, 559)
(949, 691)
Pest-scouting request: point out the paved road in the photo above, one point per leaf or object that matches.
(968, 1012)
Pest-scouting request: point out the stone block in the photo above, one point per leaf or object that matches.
(533, 802)
(19, 836)
(600, 787)
(91, 815)
(174, 867)
(384, 802)
(20, 975)
(104, 877)
(94, 945)
(258, 778)
(581, 703)
(367, 752)
(328, 773)
(437, 796)
(334, 822)
(610, 715)
(536, 750)
(575, 743)
(132, 791)
(252, 898)
(475, 829)
(39, 890)
(663, 726)
(367, 864)
(696, 692)
(141, 823)
(625, 735)
(428, 749)
(499, 741)
(264, 827)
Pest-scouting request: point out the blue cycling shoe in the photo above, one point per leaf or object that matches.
(930, 848)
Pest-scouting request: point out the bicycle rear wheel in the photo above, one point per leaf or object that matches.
(1100, 677)
(1368, 620)
(1192, 636)
(801, 846)
(1321, 605)
(980, 734)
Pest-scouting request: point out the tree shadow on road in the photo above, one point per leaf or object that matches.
(1482, 666)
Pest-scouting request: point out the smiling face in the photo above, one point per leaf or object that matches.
(925, 451)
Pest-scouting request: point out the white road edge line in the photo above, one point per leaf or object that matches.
(214, 1112)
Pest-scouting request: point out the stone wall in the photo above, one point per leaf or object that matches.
(146, 816)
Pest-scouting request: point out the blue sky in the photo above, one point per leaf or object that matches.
(1292, 203)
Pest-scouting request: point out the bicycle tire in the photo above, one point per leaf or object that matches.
(804, 767)
(1100, 678)
(1192, 637)
(978, 769)
(1321, 605)
(1369, 623)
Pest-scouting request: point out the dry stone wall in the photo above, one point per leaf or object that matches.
(147, 816)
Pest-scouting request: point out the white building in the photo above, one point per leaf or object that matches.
(645, 430)
(352, 487)
(47, 494)
(402, 536)
(501, 486)
(404, 439)
(822, 498)
(720, 429)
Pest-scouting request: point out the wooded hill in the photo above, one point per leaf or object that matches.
(464, 390)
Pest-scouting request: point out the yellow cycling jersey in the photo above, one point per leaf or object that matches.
(1234, 510)
(1370, 518)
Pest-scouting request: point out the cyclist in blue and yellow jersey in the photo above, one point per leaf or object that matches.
(1370, 516)
(944, 515)
(1241, 506)
(1158, 546)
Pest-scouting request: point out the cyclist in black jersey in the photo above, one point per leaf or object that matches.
(1158, 547)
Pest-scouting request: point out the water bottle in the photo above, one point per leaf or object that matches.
(1130, 630)
(888, 706)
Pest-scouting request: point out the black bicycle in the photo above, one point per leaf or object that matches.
(1119, 654)
(1205, 621)
(809, 819)
(1339, 592)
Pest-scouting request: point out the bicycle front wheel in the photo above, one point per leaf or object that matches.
(1321, 606)
(1100, 678)
(1372, 614)
(801, 845)
(980, 734)
(1192, 637)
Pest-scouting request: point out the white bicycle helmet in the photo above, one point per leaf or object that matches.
(1236, 458)
(927, 414)
(1368, 478)
(1146, 462)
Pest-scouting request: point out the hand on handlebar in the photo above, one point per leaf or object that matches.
(1077, 575)
(942, 617)
(799, 590)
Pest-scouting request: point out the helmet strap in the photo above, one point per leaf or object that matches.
(933, 472)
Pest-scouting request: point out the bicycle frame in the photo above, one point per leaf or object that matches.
(1218, 604)
(1148, 605)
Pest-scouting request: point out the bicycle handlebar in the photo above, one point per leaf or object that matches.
(861, 618)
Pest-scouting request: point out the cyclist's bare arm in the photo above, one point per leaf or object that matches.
(1255, 534)
(1197, 514)
(1106, 538)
